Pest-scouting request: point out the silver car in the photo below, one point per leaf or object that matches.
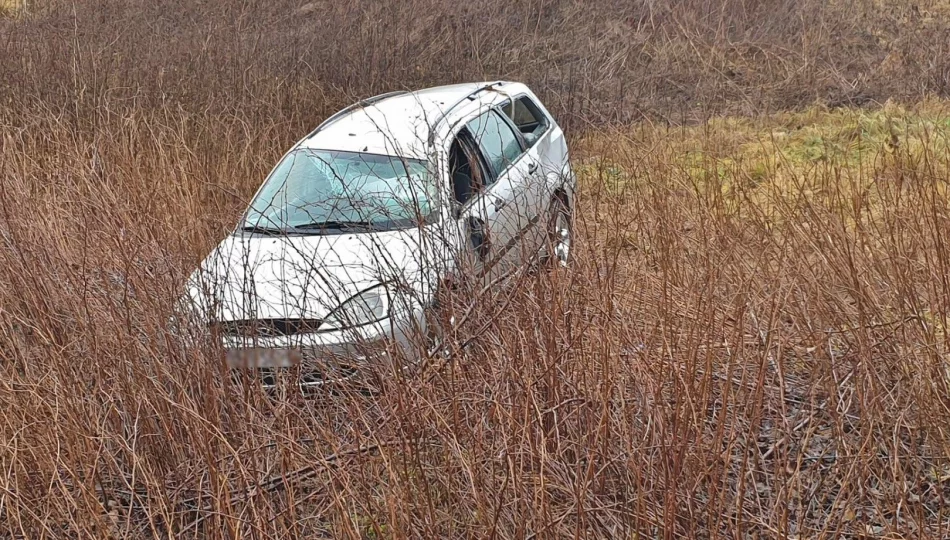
(353, 233)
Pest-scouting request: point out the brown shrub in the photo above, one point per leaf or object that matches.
(741, 349)
(609, 60)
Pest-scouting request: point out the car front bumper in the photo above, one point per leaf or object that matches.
(322, 358)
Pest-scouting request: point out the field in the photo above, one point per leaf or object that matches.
(752, 341)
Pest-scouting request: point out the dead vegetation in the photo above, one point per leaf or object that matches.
(752, 342)
(592, 62)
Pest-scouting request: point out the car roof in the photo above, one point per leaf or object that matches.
(397, 124)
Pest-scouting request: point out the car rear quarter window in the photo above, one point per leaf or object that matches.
(529, 119)
(497, 140)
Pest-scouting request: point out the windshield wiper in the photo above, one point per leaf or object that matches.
(272, 231)
(335, 225)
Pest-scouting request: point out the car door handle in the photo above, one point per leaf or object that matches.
(532, 167)
(499, 203)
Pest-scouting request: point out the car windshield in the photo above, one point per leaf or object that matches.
(320, 189)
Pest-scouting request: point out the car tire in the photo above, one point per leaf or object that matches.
(560, 231)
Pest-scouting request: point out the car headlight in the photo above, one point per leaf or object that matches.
(369, 306)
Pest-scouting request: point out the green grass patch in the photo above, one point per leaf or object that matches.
(831, 157)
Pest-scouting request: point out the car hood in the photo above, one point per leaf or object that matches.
(264, 277)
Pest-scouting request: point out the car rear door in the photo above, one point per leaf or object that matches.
(545, 152)
(502, 203)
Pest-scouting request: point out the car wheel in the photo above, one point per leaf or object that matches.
(560, 233)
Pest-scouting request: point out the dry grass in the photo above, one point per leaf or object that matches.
(10, 7)
(610, 61)
(752, 341)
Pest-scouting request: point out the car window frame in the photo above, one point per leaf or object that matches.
(496, 109)
(500, 109)
(467, 141)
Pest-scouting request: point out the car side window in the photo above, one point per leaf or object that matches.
(525, 114)
(496, 139)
